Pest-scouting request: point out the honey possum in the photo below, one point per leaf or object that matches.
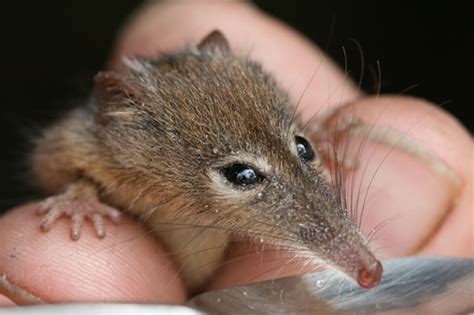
(204, 145)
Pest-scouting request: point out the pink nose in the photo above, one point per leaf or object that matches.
(371, 276)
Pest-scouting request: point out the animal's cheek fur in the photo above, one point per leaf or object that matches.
(258, 219)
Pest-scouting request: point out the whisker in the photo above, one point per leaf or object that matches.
(304, 92)
(379, 226)
(362, 62)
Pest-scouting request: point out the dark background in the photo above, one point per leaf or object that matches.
(51, 50)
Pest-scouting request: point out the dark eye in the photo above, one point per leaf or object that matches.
(305, 152)
(242, 175)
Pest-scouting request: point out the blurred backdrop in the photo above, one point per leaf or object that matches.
(51, 50)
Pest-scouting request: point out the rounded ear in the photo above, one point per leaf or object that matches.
(113, 92)
(111, 88)
(215, 40)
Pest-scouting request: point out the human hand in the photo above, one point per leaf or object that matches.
(130, 266)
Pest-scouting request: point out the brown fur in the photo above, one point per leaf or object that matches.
(152, 142)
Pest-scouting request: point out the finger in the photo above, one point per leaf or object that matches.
(455, 237)
(126, 266)
(310, 77)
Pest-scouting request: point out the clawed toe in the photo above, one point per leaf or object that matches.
(77, 210)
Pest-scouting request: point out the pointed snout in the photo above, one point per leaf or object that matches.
(348, 252)
(358, 262)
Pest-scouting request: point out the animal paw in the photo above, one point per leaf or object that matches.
(77, 209)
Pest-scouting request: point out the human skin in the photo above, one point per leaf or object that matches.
(129, 265)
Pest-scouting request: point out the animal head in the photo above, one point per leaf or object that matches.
(212, 131)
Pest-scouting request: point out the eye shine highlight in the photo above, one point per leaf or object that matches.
(304, 149)
(242, 175)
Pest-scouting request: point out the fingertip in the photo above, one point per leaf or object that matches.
(455, 237)
(126, 266)
(415, 180)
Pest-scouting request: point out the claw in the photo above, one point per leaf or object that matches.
(77, 220)
(98, 222)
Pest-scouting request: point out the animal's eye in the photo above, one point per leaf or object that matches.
(305, 152)
(242, 175)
